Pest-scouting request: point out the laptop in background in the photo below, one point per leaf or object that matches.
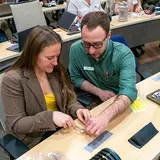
(67, 22)
(5, 10)
(22, 36)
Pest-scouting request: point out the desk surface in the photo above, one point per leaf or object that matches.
(49, 9)
(133, 20)
(71, 143)
(44, 9)
(114, 24)
(66, 37)
(6, 54)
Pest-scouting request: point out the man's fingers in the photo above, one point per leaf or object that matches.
(93, 130)
(99, 131)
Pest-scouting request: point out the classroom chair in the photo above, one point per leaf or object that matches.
(12, 146)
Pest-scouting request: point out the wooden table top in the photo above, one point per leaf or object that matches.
(49, 9)
(71, 143)
(44, 9)
(6, 54)
(133, 19)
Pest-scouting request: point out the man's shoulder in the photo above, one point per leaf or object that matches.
(121, 53)
(121, 48)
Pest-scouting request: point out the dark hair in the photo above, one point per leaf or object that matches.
(39, 38)
(95, 19)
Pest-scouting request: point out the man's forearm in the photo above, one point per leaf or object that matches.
(120, 104)
(90, 88)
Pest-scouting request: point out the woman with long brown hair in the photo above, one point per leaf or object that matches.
(36, 91)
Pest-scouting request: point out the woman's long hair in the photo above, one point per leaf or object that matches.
(39, 38)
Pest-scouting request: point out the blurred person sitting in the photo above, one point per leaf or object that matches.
(133, 6)
(112, 6)
(5, 32)
(82, 7)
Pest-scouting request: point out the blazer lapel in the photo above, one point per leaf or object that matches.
(34, 86)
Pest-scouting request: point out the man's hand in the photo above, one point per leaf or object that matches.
(83, 115)
(105, 95)
(96, 125)
(63, 120)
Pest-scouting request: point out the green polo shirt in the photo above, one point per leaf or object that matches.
(114, 71)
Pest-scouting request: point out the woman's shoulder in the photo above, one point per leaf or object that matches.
(13, 74)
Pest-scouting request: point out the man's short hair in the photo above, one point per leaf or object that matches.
(95, 19)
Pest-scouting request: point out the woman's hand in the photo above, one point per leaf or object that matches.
(63, 120)
(83, 115)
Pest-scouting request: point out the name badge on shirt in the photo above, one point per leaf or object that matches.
(88, 68)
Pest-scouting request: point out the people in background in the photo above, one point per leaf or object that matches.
(40, 1)
(103, 68)
(133, 6)
(36, 91)
(149, 5)
(82, 7)
(5, 32)
(112, 6)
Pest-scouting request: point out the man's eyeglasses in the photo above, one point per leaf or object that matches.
(96, 45)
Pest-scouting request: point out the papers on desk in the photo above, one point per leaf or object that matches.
(138, 105)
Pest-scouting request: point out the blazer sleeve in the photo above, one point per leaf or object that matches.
(14, 103)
